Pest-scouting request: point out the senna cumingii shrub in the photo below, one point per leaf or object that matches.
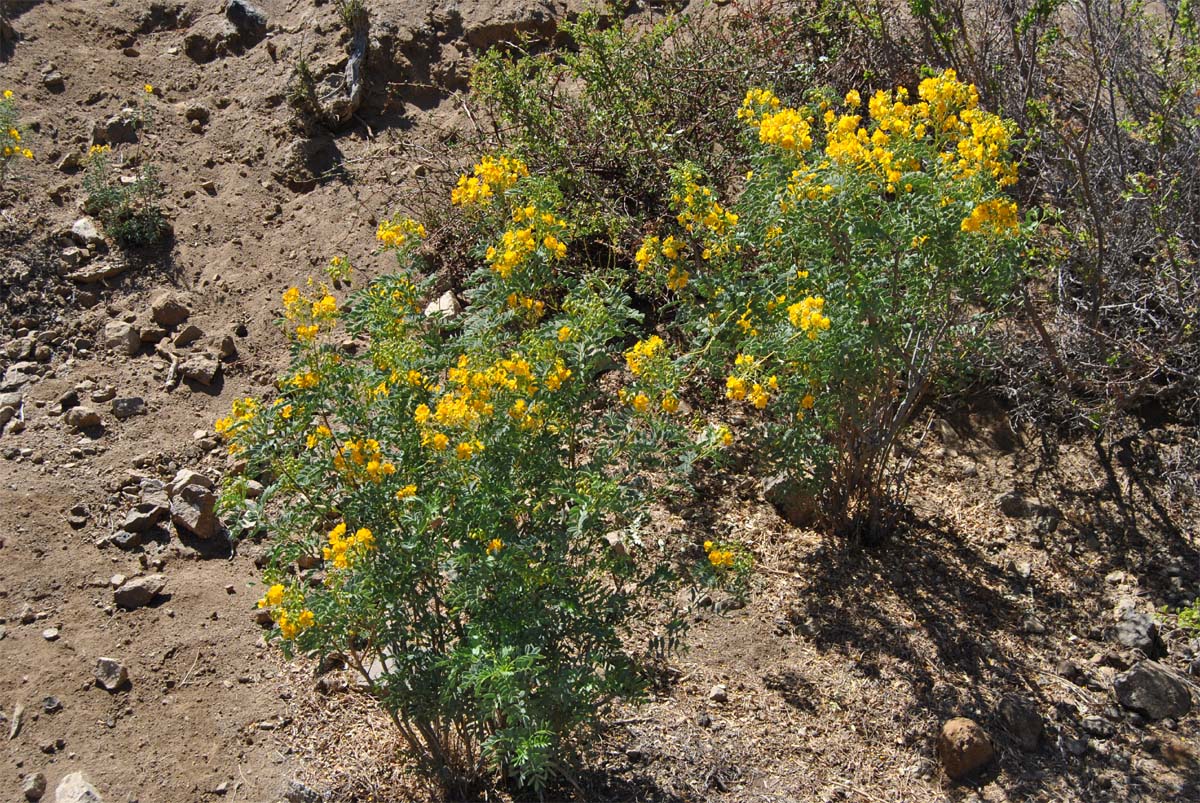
(465, 496)
(866, 253)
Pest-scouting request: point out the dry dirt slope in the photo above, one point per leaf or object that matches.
(831, 692)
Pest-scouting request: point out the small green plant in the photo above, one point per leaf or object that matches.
(353, 14)
(127, 208)
(12, 137)
(302, 90)
(1189, 618)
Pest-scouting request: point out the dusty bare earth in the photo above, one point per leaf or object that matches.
(835, 678)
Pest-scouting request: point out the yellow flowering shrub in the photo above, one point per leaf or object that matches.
(13, 144)
(455, 503)
(865, 255)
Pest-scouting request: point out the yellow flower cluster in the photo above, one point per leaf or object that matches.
(809, 316)
(755, 104)
(472, 398)
(398, 232)
(343, 550)
(10, 135)
(739, 389)
(515, 247)
(242, 412)
(643, 352)
(531, 308)
(743, 384)
(701, 214)
(527, 416)
(648, 360)
(490, 177)
(671, 248)
(309, 314)
(787, 129)
(494, 546)
(291, 624)
(363, 458)
(558, 375)
(719, 558)
(998, 216)
(305, 380)
(318, 436)
(518, 244)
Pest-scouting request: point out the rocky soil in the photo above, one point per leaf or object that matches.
(1005, 648)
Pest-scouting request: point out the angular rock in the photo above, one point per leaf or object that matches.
(228, 348)
(446, 306)
(54, 82)
(492, 23)
(1138, 631)
(116, 130)
(74, 788)
(193, 508)
(99, 270)
(124, 539)
(151, 332)
(197, 114)
(296, 792)
(189, 335)
(128, 407)
(111, 674)
(144, 516)
(122, 338)
(718, 694)
(17, 376)
(85, 232)
(72, 257)
(1021, 719)
(1099, 727)
(201, 368)
(34, 786)
(168, 310)
(82, 417)
(139, 592)
(154, 492)
(1013, 505)
(964, 748)
(185, 477)
(249, 21)
(1153, 690)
